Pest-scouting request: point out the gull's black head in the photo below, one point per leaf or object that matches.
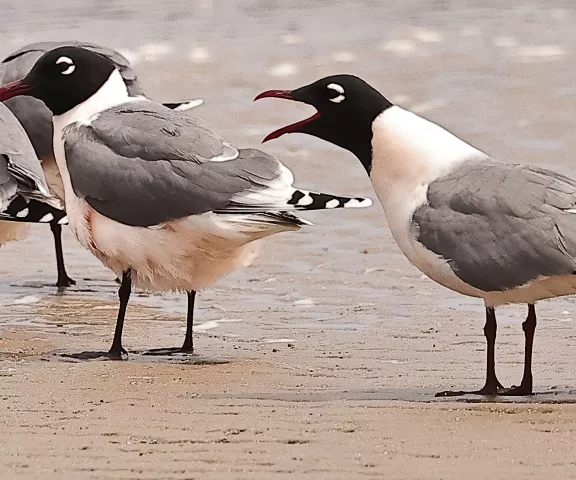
(346, 107)
(62, 78)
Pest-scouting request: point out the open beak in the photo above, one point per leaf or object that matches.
(13, 89)
(293, 128)
(285, 94)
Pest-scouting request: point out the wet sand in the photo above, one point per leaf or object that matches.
(247, 409)
(321, 360)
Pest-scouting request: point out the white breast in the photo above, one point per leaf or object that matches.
(409, 153)
(113, 92)
(185, 254)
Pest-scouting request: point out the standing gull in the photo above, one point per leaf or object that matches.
(24, 195)
(502, 232)
(37, 119)
(154, 194)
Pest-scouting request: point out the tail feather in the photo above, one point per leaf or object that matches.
(32, 211)
(283, 218)
(263, 224)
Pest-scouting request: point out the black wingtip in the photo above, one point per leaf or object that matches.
(305, 200)
(33, 211)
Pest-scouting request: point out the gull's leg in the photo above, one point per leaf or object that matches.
(116, 350)
(188, 345)
(529, 327)
(492, 385)
(63, 279)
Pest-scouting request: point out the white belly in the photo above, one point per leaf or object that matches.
(186, 254)
(399, 215)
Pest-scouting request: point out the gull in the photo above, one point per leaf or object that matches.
(154, 194)
(502, 232)
(37, 121)
(24, 195)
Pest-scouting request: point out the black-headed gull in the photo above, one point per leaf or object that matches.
(157, 196)
(37, 119)
(502, 232)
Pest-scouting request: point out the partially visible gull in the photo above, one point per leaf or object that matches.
(24, 195)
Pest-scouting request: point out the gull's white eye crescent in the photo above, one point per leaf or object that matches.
(67, 61)
(338, 89)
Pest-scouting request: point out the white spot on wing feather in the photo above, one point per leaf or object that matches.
(305, 200)
(355, 203)
(229, 153)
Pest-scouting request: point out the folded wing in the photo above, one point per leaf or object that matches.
(143, 164)
(501, 226)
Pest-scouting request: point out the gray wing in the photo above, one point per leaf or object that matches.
(15, 142)
(142, 164)
(32, 113)
(501, 226)
(24, 194)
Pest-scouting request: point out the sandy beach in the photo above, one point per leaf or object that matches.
(247, 409)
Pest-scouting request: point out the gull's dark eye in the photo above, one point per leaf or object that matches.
(338, 90)
(70, 67)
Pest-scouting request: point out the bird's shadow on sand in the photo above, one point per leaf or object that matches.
(139, 356)
(565, 395)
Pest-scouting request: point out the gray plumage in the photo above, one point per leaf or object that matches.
(500, 226)
(21, 166)
(143, 164)
(21, 178)
(32, 113)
